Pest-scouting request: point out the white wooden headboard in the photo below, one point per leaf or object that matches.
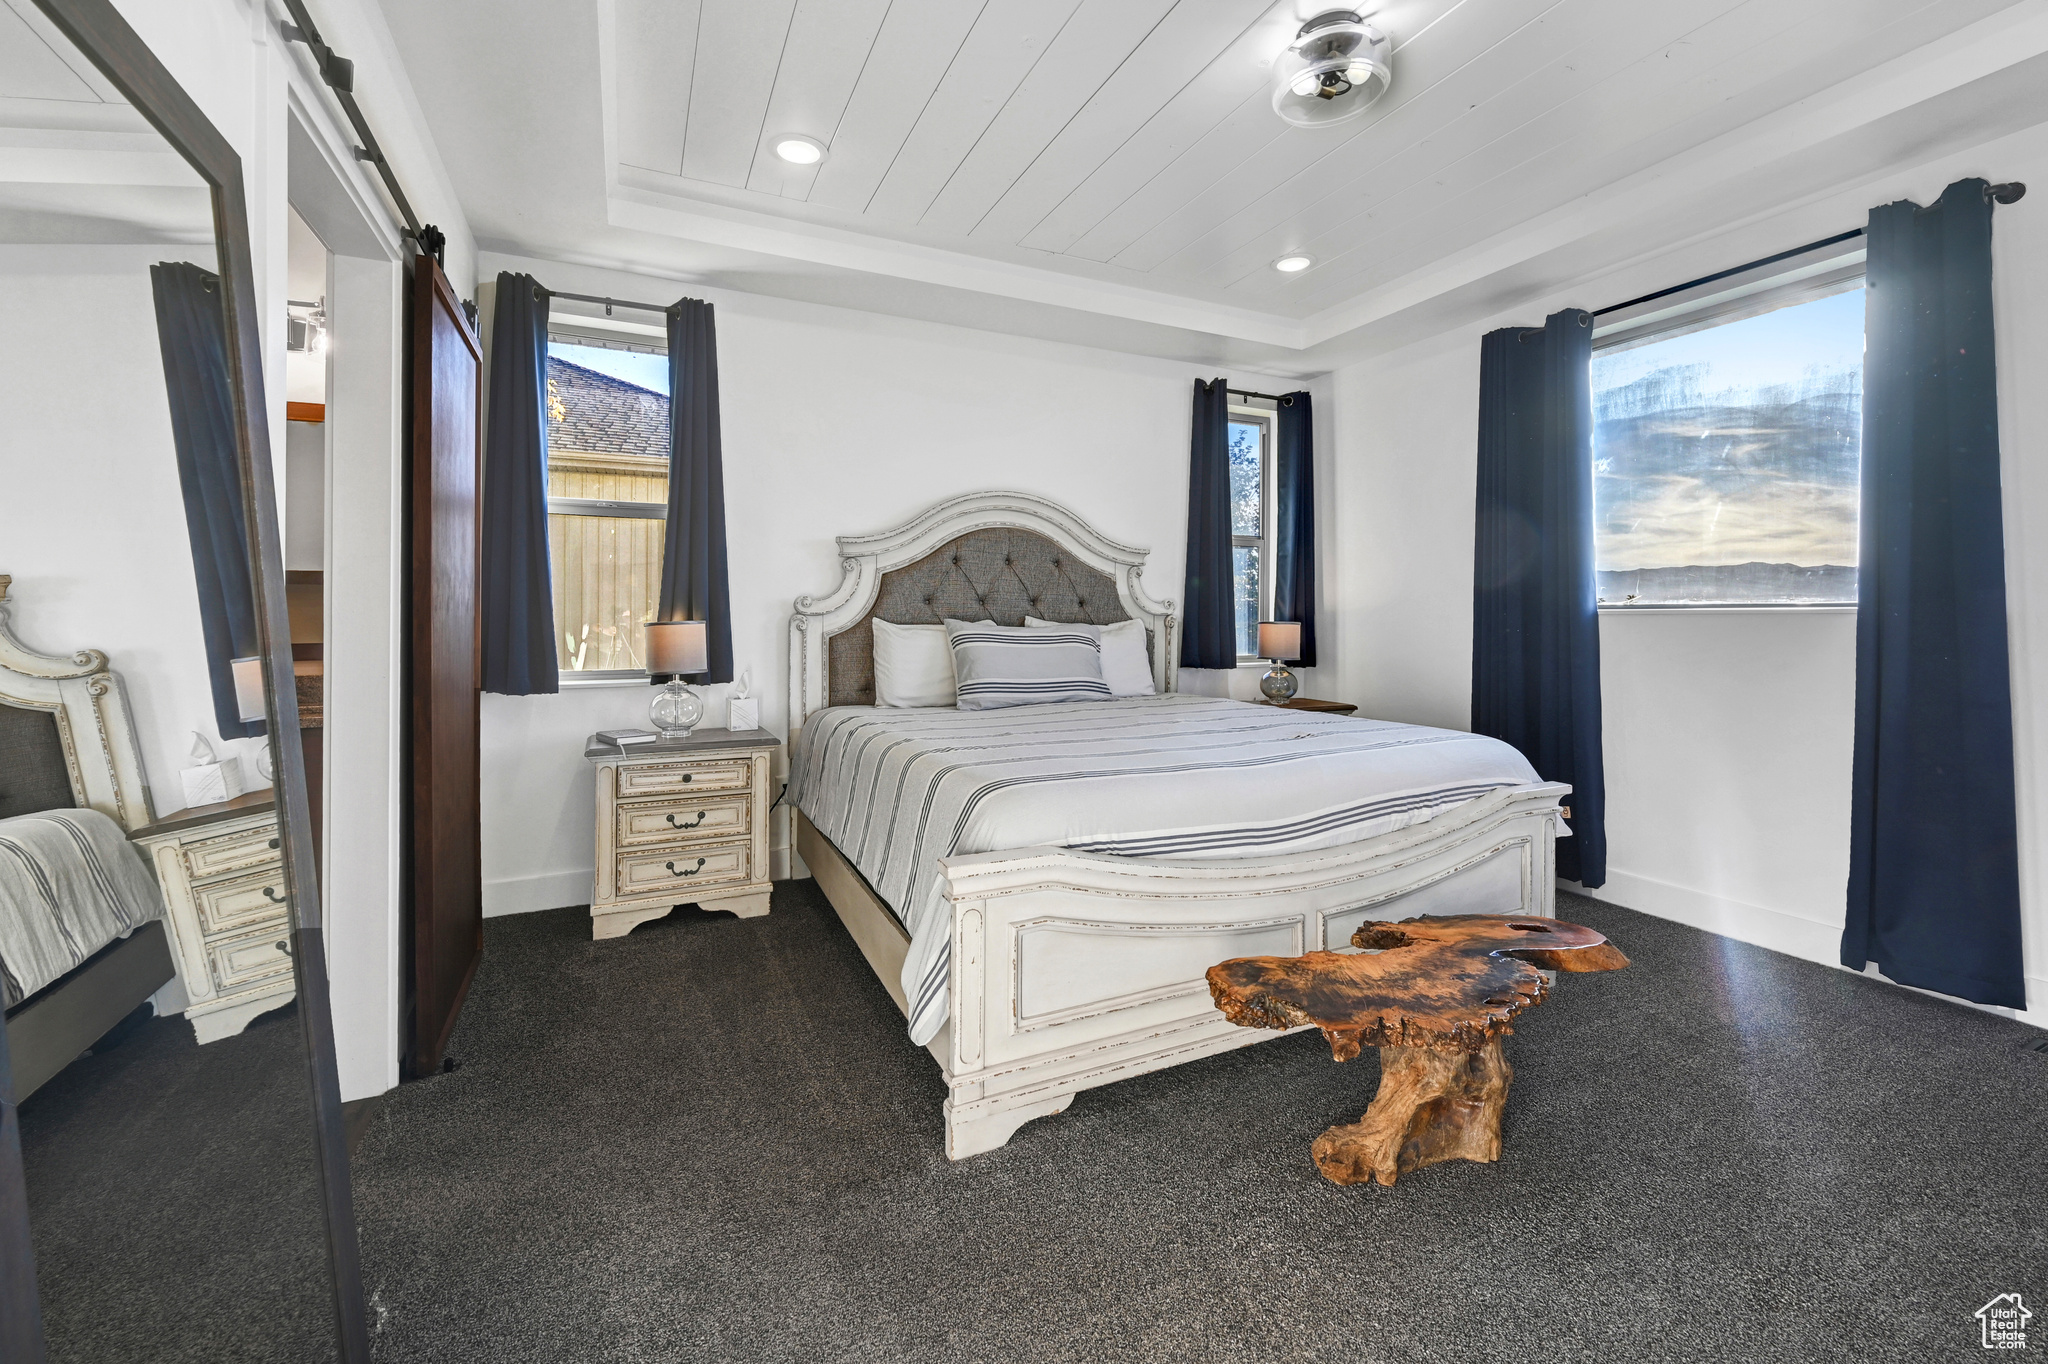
(94, 729)
(864, 559)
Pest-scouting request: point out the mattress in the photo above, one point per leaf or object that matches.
(1174, 777)
(70, 883)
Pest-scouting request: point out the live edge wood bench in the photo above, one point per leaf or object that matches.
(1434, 994)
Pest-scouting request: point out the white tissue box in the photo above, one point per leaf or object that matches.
(212, 783)
(743, 713)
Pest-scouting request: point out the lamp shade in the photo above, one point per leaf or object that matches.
(248, 687)
(676, 646)
(1280, 640)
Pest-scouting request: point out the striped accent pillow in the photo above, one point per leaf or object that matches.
(996, 665)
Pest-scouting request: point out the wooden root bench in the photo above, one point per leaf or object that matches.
(1435, 996)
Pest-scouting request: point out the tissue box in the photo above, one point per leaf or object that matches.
(212, 783)
(743, 713)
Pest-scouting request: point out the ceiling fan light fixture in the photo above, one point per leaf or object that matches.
(1290, 265)
(1333, 71)
(799, 149)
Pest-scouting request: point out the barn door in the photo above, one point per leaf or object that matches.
(443, 665)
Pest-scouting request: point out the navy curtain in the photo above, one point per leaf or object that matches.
(518, 595)
(1933, 859)
(1535, 620)
(1209, 627)
(1294, 530)
(192, 333)
(693, 571)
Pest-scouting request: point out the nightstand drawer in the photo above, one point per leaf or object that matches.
(230, 906)
(661, 779)
(238, 962)
(661, 823)
(231, 853)
(680, 873)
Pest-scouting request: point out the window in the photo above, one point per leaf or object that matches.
(608, 460)
(1727, 450)
(1250, 514)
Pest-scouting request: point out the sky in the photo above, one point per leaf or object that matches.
(648, 371)
(1770, 348)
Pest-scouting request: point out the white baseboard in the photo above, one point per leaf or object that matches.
(1791, 934)
(561, 889)
(527, 894)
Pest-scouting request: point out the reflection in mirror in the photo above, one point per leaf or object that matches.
(166, 1118)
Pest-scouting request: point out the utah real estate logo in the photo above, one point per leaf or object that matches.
(2005, 1320)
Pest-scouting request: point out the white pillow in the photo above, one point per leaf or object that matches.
(913, 665)
(1124, 664)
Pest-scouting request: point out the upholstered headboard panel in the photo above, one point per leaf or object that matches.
(33, 773)
(996, 555)
(1001, 573)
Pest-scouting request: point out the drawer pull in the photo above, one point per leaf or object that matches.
(270, 894)
(691, 825)
(687, 776)
(691, 872)
(273, 845)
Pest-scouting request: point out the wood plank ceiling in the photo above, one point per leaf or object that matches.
(1137, 135)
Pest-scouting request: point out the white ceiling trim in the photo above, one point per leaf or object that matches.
(719, 225)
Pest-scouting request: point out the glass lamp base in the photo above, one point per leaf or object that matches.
(1279, 684)
(675, 711)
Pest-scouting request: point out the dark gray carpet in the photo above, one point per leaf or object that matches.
(712, 1141)
(173, 1201)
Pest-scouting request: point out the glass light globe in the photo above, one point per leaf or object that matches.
(675, 710)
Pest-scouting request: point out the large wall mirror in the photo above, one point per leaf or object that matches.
(173, 1183)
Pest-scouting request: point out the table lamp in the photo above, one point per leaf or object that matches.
(250, 705)
(675, 648)
(1279, 644)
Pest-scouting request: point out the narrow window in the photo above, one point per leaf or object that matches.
(1727, 449)
(1250, 516)
(608, 461)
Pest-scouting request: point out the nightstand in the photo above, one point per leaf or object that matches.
(683, 822)
(225, 905)
(1310, 703)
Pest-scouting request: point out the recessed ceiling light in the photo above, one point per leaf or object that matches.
(1288, 265)
(799, 150)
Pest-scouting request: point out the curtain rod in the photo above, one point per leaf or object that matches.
(609, 303)
(2010, 192)
(1284, 398)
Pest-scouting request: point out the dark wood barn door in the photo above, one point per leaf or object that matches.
(444, 665)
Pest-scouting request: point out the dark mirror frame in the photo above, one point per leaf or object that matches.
(123, 58)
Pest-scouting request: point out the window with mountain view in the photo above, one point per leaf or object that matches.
(1726, 460)
(608, 458)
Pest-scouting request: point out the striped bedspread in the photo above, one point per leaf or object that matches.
(70, 883)
(1170, 776)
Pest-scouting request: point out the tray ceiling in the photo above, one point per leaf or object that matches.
(1122, 156)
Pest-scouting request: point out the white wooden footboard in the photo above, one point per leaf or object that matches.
(1070, 969)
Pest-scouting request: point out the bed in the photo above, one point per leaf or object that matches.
(1074, 956)
(71, 788)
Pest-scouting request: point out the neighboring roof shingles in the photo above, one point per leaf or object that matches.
(594, 413)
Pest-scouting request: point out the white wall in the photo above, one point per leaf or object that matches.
(1727, 733)
(92, 523)
(840, 423)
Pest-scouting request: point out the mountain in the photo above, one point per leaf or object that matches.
(1736, 583)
